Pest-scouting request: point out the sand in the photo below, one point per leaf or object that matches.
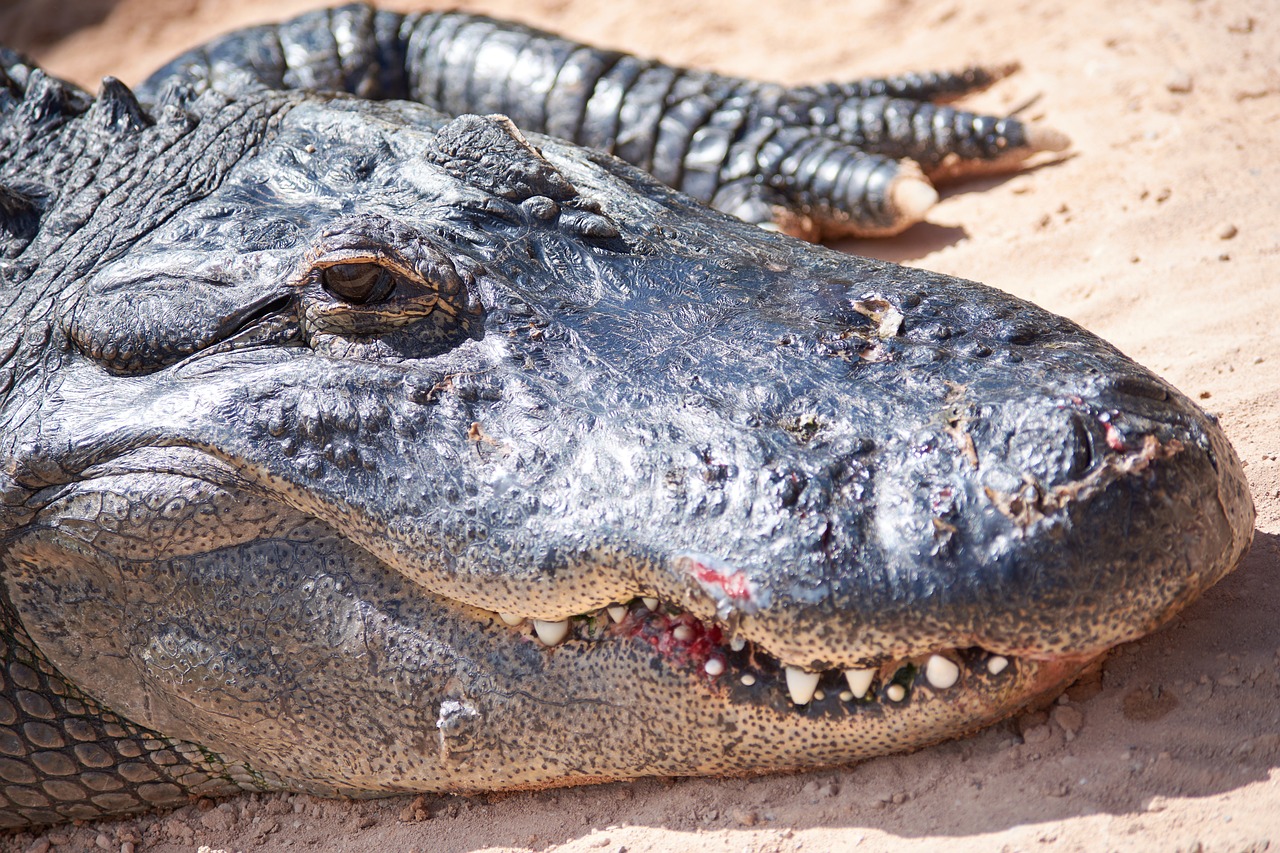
(1161, 232)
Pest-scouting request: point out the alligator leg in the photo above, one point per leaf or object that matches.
(816, 161)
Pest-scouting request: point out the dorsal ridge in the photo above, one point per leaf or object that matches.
(117, 108)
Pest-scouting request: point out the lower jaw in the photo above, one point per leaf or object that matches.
(670, 718)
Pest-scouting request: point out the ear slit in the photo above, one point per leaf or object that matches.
(20, 211)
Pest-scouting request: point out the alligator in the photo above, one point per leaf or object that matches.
(357, 442)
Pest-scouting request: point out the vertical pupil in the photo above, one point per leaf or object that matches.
(358, 283)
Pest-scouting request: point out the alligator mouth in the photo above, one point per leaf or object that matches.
(747, 672)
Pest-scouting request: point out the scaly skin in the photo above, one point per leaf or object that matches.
(353, 449)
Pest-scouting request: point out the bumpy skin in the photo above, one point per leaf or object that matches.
(303, 390)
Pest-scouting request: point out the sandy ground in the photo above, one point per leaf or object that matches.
(1161, 233)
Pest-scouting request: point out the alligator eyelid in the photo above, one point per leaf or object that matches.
(388, 261)
(244, 328)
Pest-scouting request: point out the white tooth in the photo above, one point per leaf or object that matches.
(819, 695)
(997, 664)
(859, 681)
(846, 695)
(651, 603)
(895, 692)
(748, 679)
(617, 612)
(941, 672)
(713, 666)
(551, 633)
(683, 633)
(511, 619)
(738, 643)
(801, 685)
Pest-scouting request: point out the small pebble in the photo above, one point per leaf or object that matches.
(1069, 719)
(1036, 735)
(1225, 231)
(1179, 82)
(217, 820)
(104, 842)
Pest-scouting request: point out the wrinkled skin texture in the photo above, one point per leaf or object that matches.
(281, 444)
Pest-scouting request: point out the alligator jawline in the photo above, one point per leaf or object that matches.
(746, 670)
(707, 651)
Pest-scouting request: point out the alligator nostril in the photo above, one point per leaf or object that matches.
(1137, 385)
(1082, 457)
(1015, 331)
(1054, 449)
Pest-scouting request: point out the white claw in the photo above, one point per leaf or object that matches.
(895, 692)
(551, 633)
(941, 672)
(912, 198)
(801, 685)
(617, 612)
(1046, 139)
(859, 681)
(511, 619)
(997, 664)
(651, 603)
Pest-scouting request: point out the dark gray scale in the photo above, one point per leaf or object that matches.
(262, 56)
(415, 35)
(690, 105)
(310, 52)
(457, 62)
(426, 62)
(924, 132)
(599, 127)
(576, 83)
(741, 192)
(488, 81)
(820, 176)
(708, 147)
(642, 109)
(936, 86)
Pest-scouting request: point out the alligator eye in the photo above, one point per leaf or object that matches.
(358, 283)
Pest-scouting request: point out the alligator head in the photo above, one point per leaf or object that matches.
(385, 452)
